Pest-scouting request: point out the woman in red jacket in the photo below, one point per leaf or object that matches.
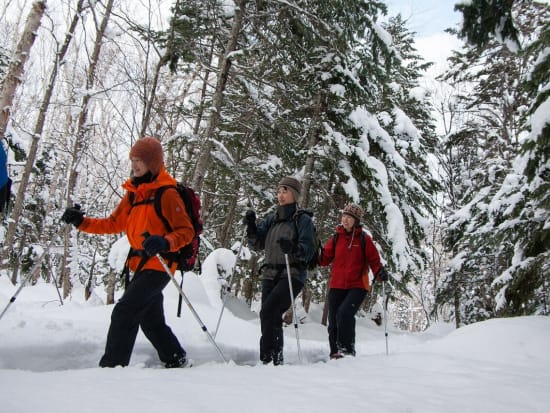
(141, 305)
(351, 252)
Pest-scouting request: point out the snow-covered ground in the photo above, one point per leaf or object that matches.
(49, 354)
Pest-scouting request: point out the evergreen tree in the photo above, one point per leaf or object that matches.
(323, 82)
(524, 199)
(482, 151)
(487, 19)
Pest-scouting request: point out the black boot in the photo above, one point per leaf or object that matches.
(278, 358)
(346, 351)
(178, 362)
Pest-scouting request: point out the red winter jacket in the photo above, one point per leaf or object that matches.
(134, 221)
(348, 259)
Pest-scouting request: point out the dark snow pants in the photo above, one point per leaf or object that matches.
(275, 301)
(141, 305)
(342, 307)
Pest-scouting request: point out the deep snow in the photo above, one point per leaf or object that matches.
(49, 354)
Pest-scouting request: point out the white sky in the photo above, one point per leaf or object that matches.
(429, 19)
(426, 17)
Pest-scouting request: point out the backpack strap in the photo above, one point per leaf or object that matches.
(140, 253)
(126, 270)
(156, 200)
(363, 248)
(158, 207)
(296, 216)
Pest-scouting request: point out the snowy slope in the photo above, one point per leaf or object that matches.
(49, 355)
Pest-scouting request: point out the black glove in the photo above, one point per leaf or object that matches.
(382, 275)
(73, 216)
(287, 246)
(250, 221)
(155, 244)
(249, 217)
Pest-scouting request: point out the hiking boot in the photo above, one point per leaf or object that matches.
(278, 358)
(347, 351)
(266, 358)
(336, 356)
(180, 362)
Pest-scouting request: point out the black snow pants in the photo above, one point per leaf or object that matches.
(342, 307)
(141, 305)
(275, 301)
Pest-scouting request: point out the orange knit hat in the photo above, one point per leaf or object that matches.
(149, 150)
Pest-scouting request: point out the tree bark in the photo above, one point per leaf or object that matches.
(111, 284)
(217, 101)
(37, 134)
(47, 237)
(15, 69)
(81, 134)
(319, 108)
(251, 282)
(324, 317)
(149, 101)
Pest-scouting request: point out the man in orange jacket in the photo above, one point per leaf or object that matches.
(141, 305)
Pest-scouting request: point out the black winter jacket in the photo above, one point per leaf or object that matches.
(291, 223)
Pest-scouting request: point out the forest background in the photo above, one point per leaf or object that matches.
(243, 92)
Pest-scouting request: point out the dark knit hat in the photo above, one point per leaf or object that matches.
(149, 150)
(293, 184)
(353, 210)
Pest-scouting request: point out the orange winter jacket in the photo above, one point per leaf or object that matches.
(136, 220)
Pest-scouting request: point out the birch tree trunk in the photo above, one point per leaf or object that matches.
(217, 99)
(202, 101)
(47, 236)
(318, 110)
(226, 232)
(81, 135)
(7, 93)
(37, 134)
(111, 284)
(15, 69)
(149, 101)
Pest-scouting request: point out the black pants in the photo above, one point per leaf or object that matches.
(5, 193)
(141, 305)
(342, 307)
(275, 301)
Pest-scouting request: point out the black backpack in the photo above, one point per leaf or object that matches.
(317, 244)
(186, 256)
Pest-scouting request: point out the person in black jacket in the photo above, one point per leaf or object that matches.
(288, 231)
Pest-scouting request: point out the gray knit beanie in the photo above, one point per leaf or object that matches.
(293, 184)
